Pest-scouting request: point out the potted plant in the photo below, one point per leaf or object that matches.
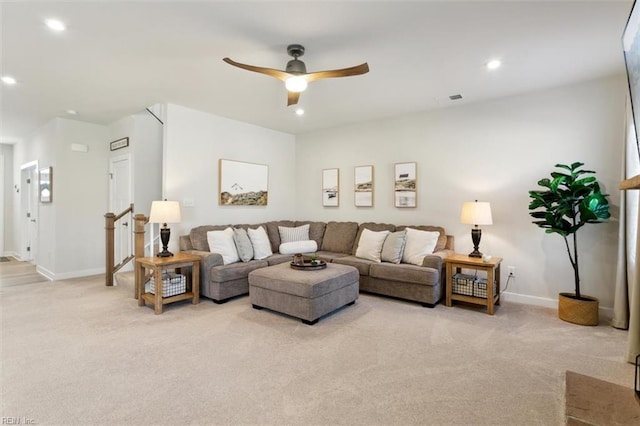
(569, 201)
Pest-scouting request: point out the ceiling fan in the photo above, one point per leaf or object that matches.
(295, 76)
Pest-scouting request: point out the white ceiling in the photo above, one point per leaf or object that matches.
(116, 58)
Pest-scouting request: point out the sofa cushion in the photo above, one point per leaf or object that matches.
(418, 245)
(198, 236)
(293, 247)
(316, 230)
(339, 237)
(393, 247)
(235, 271)
(243, 244)
(362, 265)
(260, 243)
(221, 242)
(291, 234)
(372, 226)
(405, 273)
(442, 238)
(370, 244)
(273, 231)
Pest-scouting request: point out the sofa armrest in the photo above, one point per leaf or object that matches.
(207, 260)
(434, 260)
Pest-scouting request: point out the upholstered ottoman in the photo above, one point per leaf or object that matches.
(307, 295)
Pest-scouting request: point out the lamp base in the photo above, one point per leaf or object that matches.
(165, 234)
(475, 253)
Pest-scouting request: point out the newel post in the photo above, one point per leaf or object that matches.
(138, 247)
(110, 236)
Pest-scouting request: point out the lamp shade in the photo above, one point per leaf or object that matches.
(165, 212)
(476, 213)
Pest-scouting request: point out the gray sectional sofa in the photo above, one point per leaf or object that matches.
(337, 242)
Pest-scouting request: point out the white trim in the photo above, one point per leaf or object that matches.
(605, 311)
(68, 275)
(2, 204)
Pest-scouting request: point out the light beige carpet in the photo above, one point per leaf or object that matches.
(77, 352)
(590, 401)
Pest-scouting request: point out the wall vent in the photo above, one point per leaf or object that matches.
(455, 97)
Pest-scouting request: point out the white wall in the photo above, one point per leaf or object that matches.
(71, 228)
(195, 141)
(7, 245)
(145, 135)
(496, 152)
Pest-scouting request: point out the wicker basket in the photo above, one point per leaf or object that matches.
(582, 311)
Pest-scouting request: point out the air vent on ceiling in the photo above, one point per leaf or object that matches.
(455, 97)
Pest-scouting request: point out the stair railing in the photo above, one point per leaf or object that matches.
(110, 226)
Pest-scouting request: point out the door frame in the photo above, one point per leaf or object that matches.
(112, 202)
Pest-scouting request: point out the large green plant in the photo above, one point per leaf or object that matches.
(569, 201)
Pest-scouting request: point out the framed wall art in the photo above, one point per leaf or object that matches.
(363, 182)
(331, 187)
(404, 188)
(119, 144)
(242, 184)
(45, 184)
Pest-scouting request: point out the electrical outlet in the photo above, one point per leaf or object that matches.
(512, 271)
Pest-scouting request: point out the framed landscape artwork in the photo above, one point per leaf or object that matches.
(331, 187)
(363, 182)
(405, 191)
(242, 184)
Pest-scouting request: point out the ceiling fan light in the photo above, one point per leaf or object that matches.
(296, 84)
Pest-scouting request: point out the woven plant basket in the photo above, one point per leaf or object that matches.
(583, 311)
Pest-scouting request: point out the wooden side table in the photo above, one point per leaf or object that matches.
(457, 262)
(157, 265)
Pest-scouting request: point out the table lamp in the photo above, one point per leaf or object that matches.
(476, 213)
(165, 212)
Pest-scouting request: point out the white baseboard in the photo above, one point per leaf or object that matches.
(605, 311)
(68, 275)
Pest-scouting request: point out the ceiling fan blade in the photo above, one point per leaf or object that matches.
(292, 98)
(344, 72)
(280, 75)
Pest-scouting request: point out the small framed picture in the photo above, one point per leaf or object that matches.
(120, 143)
(405, 190)
(45, 185)
(363, 182)
(331, 187)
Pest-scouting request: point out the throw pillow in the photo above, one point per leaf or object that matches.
(221, 242)
(300, 233)
(243, 244)
(418, 245)
(393, 247)
(370, 244)
(294, 247)
(260, 243)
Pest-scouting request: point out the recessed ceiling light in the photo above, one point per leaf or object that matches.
(494, 64)
(8, 80)
(56, 25)
(299, 111)
(72, 112)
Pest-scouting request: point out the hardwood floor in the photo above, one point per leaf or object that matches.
(15, 272)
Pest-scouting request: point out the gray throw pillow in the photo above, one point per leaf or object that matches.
(393, 247)
(243, 244)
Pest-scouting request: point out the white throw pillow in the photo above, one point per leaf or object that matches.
(418, 245)
(221, 242)
(293, 247)
(260, 242)
(300, 233)
(370, 244)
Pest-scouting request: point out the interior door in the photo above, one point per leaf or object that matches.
(120, 190)
(29, 211)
